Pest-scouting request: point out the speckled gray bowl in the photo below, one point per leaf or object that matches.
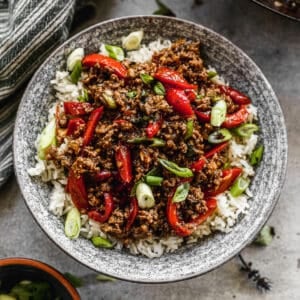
(192, 260)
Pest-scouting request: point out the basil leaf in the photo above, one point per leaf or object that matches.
(159, 89)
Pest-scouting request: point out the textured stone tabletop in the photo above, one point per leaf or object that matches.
(273, 42)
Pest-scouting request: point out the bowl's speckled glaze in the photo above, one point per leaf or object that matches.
(189, 261)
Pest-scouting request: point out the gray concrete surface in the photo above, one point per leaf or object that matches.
(274, 44)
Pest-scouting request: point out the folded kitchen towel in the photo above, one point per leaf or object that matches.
(36, 28)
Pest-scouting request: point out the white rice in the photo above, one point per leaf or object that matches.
(229, 208)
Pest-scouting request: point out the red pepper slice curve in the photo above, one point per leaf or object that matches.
(77, 190)
(102, 176)
(203, 117)
(228, 178)
(133, 211)
(237, 118)
(109, 206)
(172, 78)
(185, 229)
(123, 161)
(74, 125)
(232, 120)
(107, 62)
(236, 96)
(199, 164)
(154, 127)
(180, 102)
(77, 108)
(91, 125)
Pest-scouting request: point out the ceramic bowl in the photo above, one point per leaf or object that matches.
(14, 270)
(189, 261)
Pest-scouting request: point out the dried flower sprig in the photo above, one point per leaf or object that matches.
(263, 284)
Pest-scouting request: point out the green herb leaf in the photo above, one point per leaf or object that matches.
(115, 52)
(76, 281)
(265, 236)
(131, 94)
(154, 142)
(102, 277)
(163, 10)
(146, 78)
(159, 89)
(181, 192)
(75, 75)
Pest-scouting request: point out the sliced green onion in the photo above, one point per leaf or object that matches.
(154, 142)
(175, 169)
(133, 40)
(101, 242)
(84, 97)
(73, 223)
(239, 186)
(189, 129)
(200, 96)
(47, 139)
(74, 57)
(153, 180)
(159, 89)
(211, 74)
(256, 155)
(246, 130)
(219, 136)
(131, 94)
(133, 190)
(181, 192)
(102, 277)
(115, 52)
(265, 236)
(226, 165)
(154, 172)
(218, 113)
(109, 101)
(144, 195)
(75, 75)
(146, 78)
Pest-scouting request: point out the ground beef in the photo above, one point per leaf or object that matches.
(137, 105)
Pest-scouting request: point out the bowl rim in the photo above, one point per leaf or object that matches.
(36, 264)
(242, 244)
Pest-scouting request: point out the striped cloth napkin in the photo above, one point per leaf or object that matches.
(37, 27)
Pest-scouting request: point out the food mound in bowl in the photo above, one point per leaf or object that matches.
(147, 148)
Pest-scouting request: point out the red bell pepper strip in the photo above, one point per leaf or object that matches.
(180, 102)
(236, 96)
(77, 190)
(216, 149)
(107, 62)
(185, 229)
(109, 206)
(173, 79)
(102, 176)
(199, 164)
(237, 118)
(228, 178)
(232, 120)
(74, 125)
(211, 204)
(153, 128)
(123, 161)
(91, 125)
(133, 211)
(77, 108)
(203, 117)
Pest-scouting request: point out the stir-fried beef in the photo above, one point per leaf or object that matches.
(136, 105)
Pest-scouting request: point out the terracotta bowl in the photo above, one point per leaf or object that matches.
(14, 270)
(189, 261)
